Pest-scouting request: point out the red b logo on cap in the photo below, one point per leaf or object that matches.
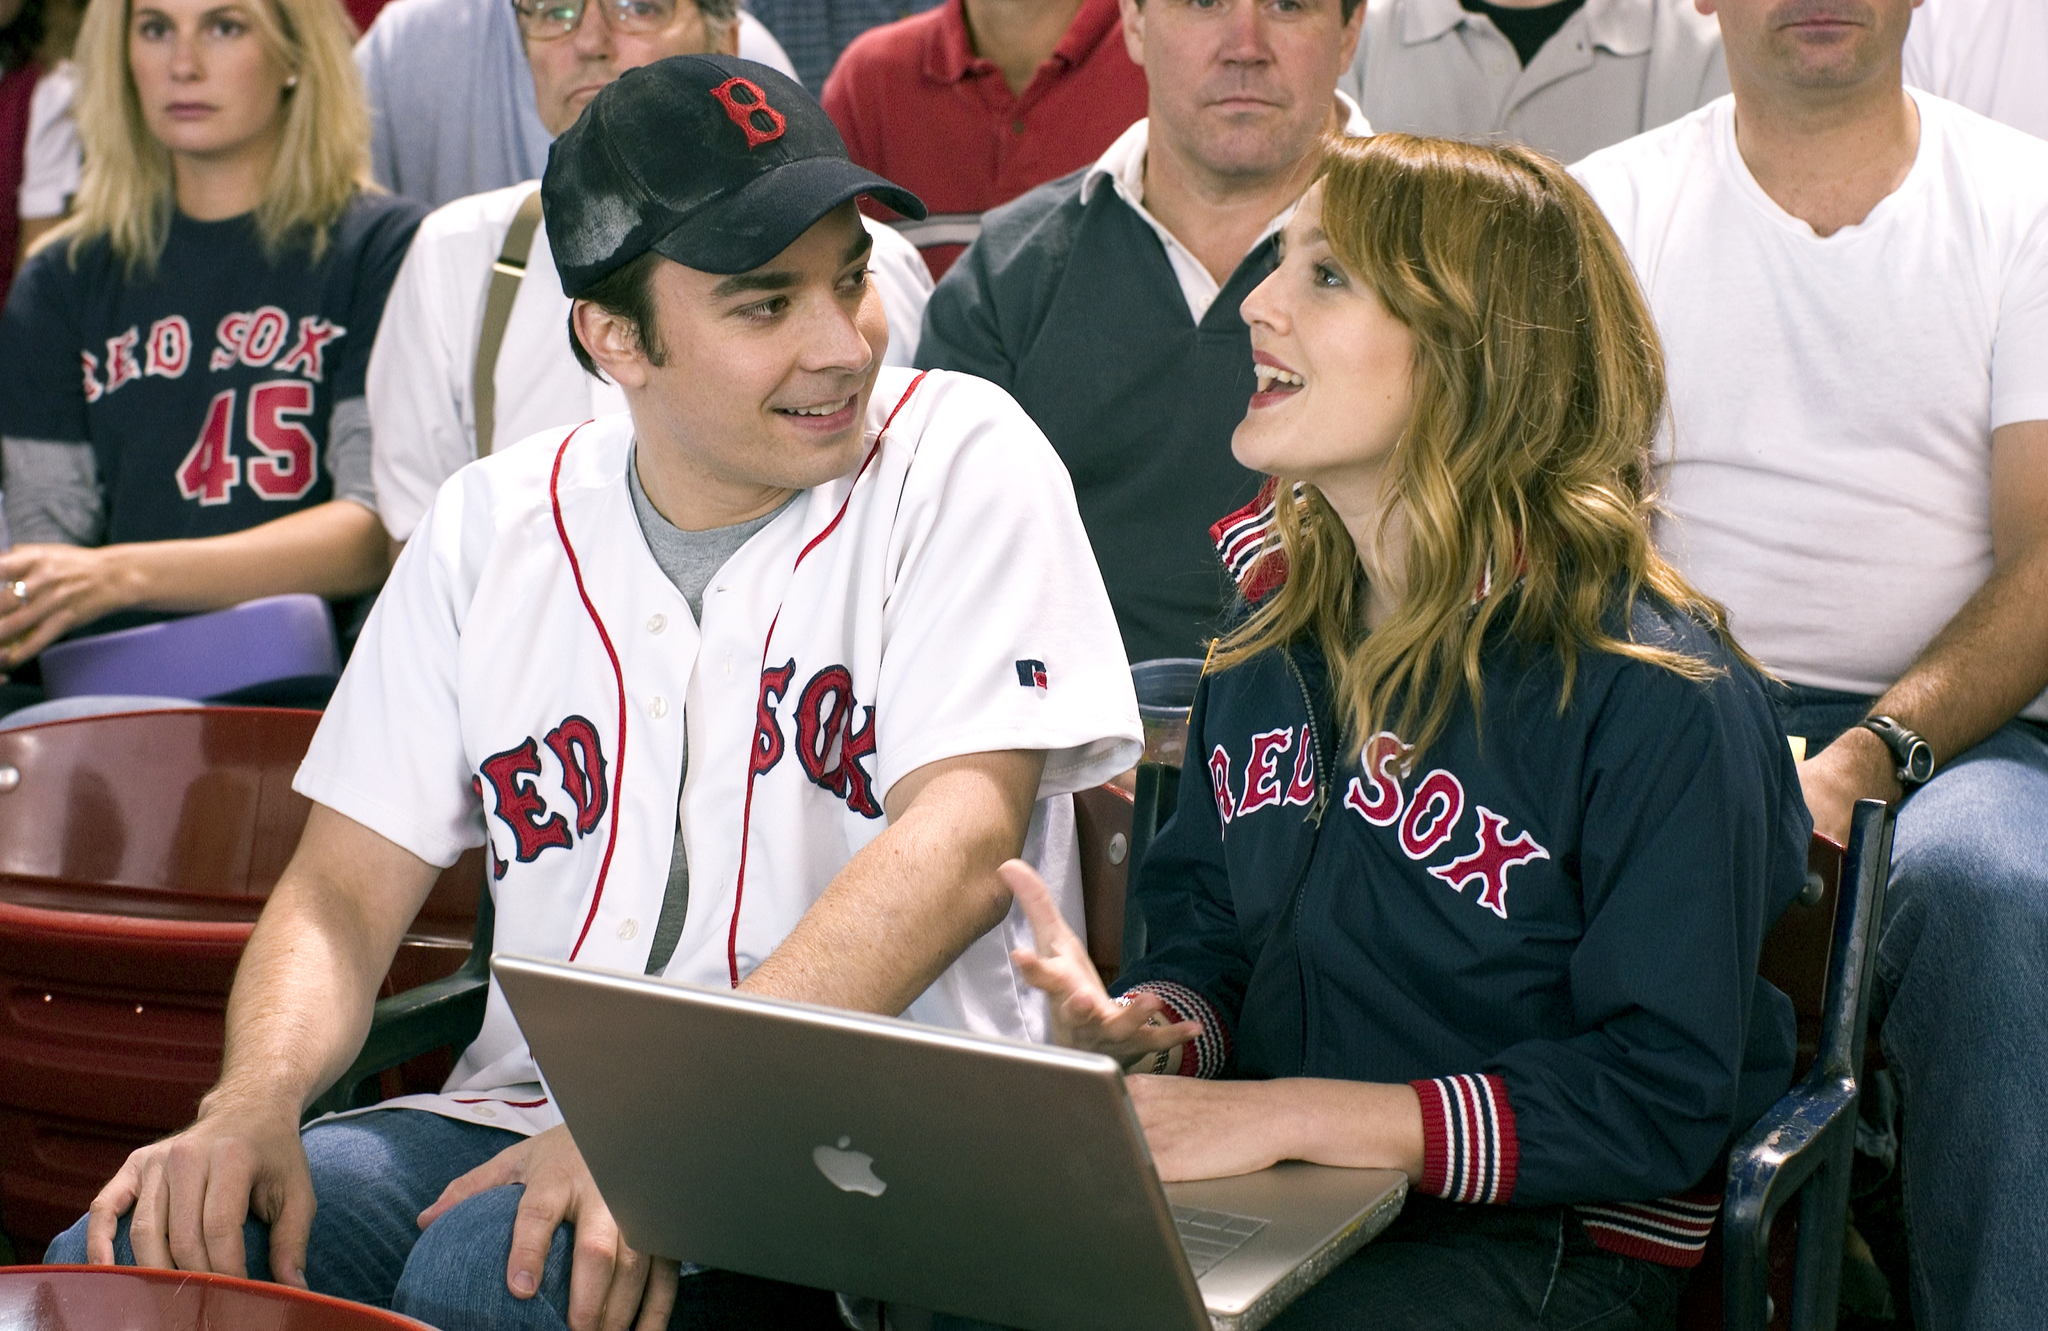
(762, 122)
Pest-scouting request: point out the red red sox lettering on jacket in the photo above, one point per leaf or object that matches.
(1425, 816)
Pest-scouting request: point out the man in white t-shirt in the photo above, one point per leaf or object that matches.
(1565, 77)
(1852, 285)
(1989, 55)
(755, 685)
(424, 408)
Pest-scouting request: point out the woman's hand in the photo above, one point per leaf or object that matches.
(48, 590)
(1211, 1129)
(1084, 1016)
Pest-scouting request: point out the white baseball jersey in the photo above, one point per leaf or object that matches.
(527, 671)
(421, 387)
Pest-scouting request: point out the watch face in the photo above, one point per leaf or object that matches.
(1919, 762)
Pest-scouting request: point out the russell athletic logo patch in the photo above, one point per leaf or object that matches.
(1031, 675)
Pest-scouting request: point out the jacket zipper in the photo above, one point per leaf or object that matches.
(1315, 815)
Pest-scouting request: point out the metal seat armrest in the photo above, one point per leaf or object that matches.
(1781, 1151)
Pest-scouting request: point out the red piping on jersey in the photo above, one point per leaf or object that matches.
(611, 842)
(739, 891)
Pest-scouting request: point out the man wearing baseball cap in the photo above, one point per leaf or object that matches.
(755, 684)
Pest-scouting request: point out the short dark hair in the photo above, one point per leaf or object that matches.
(625, 293)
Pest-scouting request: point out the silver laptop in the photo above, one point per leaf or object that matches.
(989, 1178)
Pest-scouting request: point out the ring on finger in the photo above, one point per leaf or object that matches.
(19, 588)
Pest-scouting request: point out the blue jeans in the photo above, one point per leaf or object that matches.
(372, 1176)
(1454, 1266)
(1962, 968)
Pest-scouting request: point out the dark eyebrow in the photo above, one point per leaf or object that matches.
(758, 280)
(782, 279)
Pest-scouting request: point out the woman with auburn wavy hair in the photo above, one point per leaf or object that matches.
(182, 410)
(1495, 813)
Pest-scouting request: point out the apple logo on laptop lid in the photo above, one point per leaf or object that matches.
(848, 1171)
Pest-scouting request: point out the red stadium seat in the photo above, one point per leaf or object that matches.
(1102, 818)
(100, 1298)
(136, 851)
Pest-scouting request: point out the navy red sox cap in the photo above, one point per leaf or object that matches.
(716, 162)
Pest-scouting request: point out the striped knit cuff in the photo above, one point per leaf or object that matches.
(1208, 1053)
(1671, 1231)
(1469, 1150)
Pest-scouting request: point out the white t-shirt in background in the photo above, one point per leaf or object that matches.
(421, 386)
(1989, 55)
(51, 159)
(1828, 476)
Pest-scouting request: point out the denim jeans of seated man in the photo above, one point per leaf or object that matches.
(372, 1176)
(1962, 967)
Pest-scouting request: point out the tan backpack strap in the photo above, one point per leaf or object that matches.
(506, 274)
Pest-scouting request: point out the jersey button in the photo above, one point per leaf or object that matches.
(629, 929)
(657, 623)
(658, 708)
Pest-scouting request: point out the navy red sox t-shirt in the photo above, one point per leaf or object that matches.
(203, 386)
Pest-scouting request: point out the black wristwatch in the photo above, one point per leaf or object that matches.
(1914, 757)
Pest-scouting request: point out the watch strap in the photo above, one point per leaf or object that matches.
(1905, 745)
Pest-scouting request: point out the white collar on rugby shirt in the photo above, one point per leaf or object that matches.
(1123, 165)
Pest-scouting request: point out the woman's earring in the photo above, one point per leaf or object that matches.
(292, 82)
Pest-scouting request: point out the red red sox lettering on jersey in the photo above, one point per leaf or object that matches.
(1424, 819)
(830, 743)
(515, 773)
(287, 465)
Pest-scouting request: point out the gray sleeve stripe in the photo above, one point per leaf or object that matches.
(348, 452)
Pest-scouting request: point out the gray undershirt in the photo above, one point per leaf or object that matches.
(690, 559)
(53, 486)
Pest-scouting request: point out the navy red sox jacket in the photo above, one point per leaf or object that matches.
(1548, 923)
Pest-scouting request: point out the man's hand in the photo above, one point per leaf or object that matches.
(191, 1194)
(1210, 1129)
(47, 590)
(1856, 766)
(609, 1283)
(1084, 1016)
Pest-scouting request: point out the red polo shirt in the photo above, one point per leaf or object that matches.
(916, 104)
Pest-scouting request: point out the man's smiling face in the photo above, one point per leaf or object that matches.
(765, 375)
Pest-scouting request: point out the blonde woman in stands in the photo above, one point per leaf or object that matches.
(182, 409)
(1507, 812)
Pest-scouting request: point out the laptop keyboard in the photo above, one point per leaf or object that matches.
(1210, 1236)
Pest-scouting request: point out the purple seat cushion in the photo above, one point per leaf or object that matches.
(201, 656)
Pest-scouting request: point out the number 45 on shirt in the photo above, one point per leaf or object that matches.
(287, 469)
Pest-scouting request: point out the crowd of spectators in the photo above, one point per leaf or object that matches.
(263, 300)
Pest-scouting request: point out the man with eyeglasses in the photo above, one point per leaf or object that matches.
(454, 104)
(434, 403)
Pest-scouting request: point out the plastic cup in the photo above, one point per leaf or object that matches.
(1166, 690)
